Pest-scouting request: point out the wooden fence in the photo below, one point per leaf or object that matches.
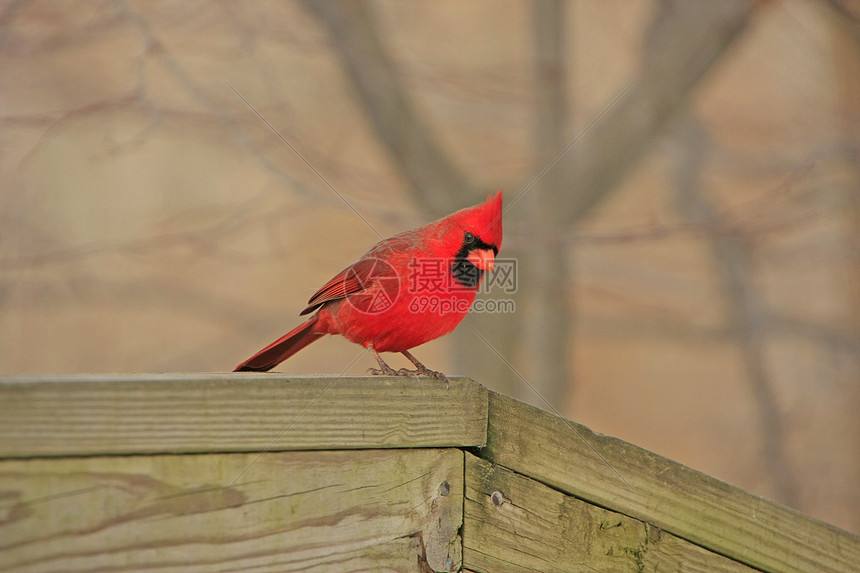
(261, 472)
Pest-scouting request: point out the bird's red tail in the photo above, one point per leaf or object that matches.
(282, 348)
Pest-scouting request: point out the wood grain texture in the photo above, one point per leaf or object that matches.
(614, 474)
(366, 510)
(540, 529)
(175, 413)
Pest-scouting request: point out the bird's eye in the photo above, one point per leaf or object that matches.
(470, 238)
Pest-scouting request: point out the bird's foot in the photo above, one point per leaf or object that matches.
(387, 370)
(420, 370)
(424, 371)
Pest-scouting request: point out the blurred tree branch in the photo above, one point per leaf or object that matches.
(837, 338)
(733, 256)
(849, 14)
(436, 182)
(685, 41)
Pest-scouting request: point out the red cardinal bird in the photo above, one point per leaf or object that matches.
(405, 291)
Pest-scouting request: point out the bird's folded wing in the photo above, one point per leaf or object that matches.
(351, 280)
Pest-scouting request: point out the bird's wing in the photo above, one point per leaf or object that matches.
(350, 280)
(363, 274)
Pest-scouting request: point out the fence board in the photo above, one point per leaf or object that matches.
(612, 473)
(364, 510)
(537, 528)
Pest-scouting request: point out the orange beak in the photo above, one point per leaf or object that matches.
(484, 259)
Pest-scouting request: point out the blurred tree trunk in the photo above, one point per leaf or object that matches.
(544, 270)
(438, 185)
(847, 51)
(734, 260)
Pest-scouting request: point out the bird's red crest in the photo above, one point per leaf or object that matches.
(484, 219)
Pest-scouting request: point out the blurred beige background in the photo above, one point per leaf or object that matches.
(688, 269)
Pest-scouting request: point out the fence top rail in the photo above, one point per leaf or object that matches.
(119, 414)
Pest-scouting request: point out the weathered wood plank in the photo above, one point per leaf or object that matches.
(614, 474)
(364, 510)
(537, 528)
(175, 413)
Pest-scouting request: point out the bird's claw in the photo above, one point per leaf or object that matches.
(423, 371)
(385, 371)
(388, 371)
